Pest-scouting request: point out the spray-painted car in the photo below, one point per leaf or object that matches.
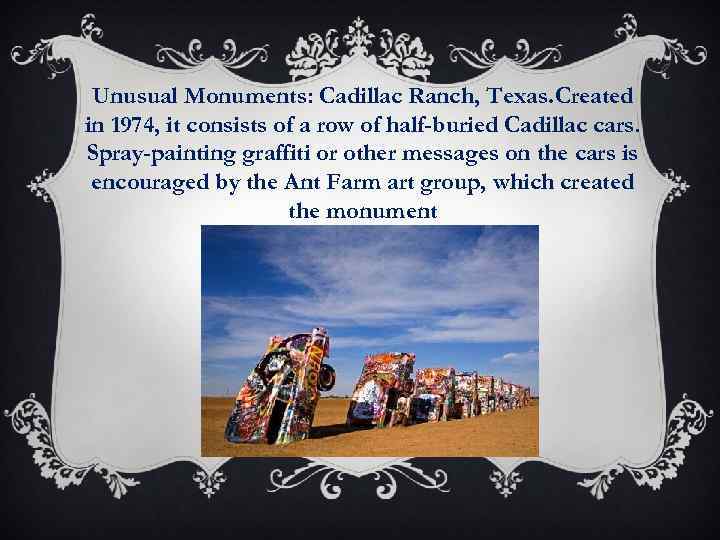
(434, 396)
(486, 389)
(384, 379)
(526, 396)
(514, 396)
(276, 405)
(521, 396)
(466, 395)
(498, 392)
(505, 395)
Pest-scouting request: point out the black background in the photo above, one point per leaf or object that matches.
(680, 117)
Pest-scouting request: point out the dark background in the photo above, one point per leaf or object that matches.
(679, 123)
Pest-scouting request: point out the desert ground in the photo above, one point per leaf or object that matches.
(502, 434)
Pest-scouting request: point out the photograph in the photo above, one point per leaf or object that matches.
(362, 341)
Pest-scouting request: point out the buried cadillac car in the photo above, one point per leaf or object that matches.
(467, 396)
(276, 405)
(385, 379)
(434, 396)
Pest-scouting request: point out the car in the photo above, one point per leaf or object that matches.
(505, 395)
(277, 403)
(434, 396)
(521, 396)
(385, 378)
(486, 388)
(466, 395)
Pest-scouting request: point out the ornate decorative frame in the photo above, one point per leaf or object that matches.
(406, 56)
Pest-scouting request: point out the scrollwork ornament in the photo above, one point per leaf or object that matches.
(674, 51)
(43, 49)
(231, 57)
(486, 57)
(88, 29)
(438, 480)
(358, 38)
(193, 57)
(628, 29)
(679, 188)
(506, 484)
(402, 54)
(483, 59)
(687, 419)
(388, 489)
(525, 58)
(313, 55)
(36, 185)
(30, 418)
(299, 476)
(328, 486)
(209, 483)
(329, 483)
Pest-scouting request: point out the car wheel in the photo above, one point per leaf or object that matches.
(326, 378)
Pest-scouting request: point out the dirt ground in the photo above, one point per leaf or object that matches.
(502, 434)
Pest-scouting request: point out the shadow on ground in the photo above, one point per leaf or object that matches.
(320, 432)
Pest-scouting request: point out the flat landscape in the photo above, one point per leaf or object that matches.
(502, 434)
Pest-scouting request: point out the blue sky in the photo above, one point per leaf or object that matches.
(465, 297)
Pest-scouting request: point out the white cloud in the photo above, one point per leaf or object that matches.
(477, 329)
(429, 283)
(340, 342)
(517, 358)
(519, 368)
